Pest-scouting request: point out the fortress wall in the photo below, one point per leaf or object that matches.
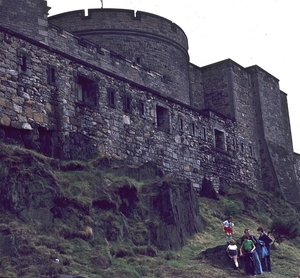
(114, 20)
(217, 83)
(50, 118)
(148, 40)
(245, 111)
(28, 17)
(268, 92)
(115, 64)
(277, 160)
(196, 87)
(286, 122)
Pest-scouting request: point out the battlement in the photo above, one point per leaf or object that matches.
(147, 40)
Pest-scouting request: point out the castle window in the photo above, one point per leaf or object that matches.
(193, 129)
(52, 75)
(219, 139)
(142, 109)
(204, 134)
(242, 147)
(24, 61)
(87, 91)
(112, 101)
(138, 60)
(180, 124)
(162, 115)
(127, 103)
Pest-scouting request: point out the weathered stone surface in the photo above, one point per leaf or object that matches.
(166, 209)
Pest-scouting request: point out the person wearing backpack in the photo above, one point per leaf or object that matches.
(266, 240)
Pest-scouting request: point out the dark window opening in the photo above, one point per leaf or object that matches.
(112, 102)
(193, 129)
(180, 120)
(219, 139)
(87, 91)
(24, 63)
(242, 147)
(142, 109)
(138, 60)
(52, 75)
(204, 134)
(162, 115)
(127, 103)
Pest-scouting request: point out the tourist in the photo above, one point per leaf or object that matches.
(228, 228)
(246, 251)
(257, 263)
(232, 252)
(266, 240)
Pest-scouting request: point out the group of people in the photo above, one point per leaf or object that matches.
(255, 251)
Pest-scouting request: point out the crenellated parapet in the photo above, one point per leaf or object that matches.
(146, 39)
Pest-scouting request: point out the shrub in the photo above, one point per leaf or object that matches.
(232, 207)
(285, 228)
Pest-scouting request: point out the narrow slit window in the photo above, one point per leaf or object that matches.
(142, 109)
(193, 129)
(127, 103)
(24, 62)
(52, 75)
(181, 124)
(112, 101)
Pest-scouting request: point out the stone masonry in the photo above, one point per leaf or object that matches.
(70, 88)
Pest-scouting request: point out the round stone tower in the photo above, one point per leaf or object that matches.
(147, 39)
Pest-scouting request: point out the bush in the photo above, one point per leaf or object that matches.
(283, 228)
(231, 207)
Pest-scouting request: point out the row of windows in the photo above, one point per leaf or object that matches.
(88, 91)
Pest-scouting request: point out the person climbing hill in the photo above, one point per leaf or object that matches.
(228, 228)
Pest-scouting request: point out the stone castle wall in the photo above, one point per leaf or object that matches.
(52, 120)
(146, 39)
(69, 97)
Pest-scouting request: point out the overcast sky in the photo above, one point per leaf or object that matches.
(250, 32)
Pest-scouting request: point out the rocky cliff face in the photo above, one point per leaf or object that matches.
(85, 200)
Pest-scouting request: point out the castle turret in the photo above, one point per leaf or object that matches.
(149, 40)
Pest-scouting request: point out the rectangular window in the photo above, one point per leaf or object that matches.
(204, 134)
(219, 139)
(180, 124)
(127, 103)
(87, 91)
(193, 129)
(112, 100)
(142, 109)
(162, 116)
(24, 62)
(52, 75)
(242, 147)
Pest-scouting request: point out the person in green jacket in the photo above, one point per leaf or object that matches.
(246, 251)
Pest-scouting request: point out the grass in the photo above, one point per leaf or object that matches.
(127, 257)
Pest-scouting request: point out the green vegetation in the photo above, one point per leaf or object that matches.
(73, 248)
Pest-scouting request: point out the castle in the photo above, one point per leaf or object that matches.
(120, 83)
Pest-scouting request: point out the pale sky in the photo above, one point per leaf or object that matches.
(250, 32)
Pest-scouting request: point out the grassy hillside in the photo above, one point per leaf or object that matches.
(62, 248)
